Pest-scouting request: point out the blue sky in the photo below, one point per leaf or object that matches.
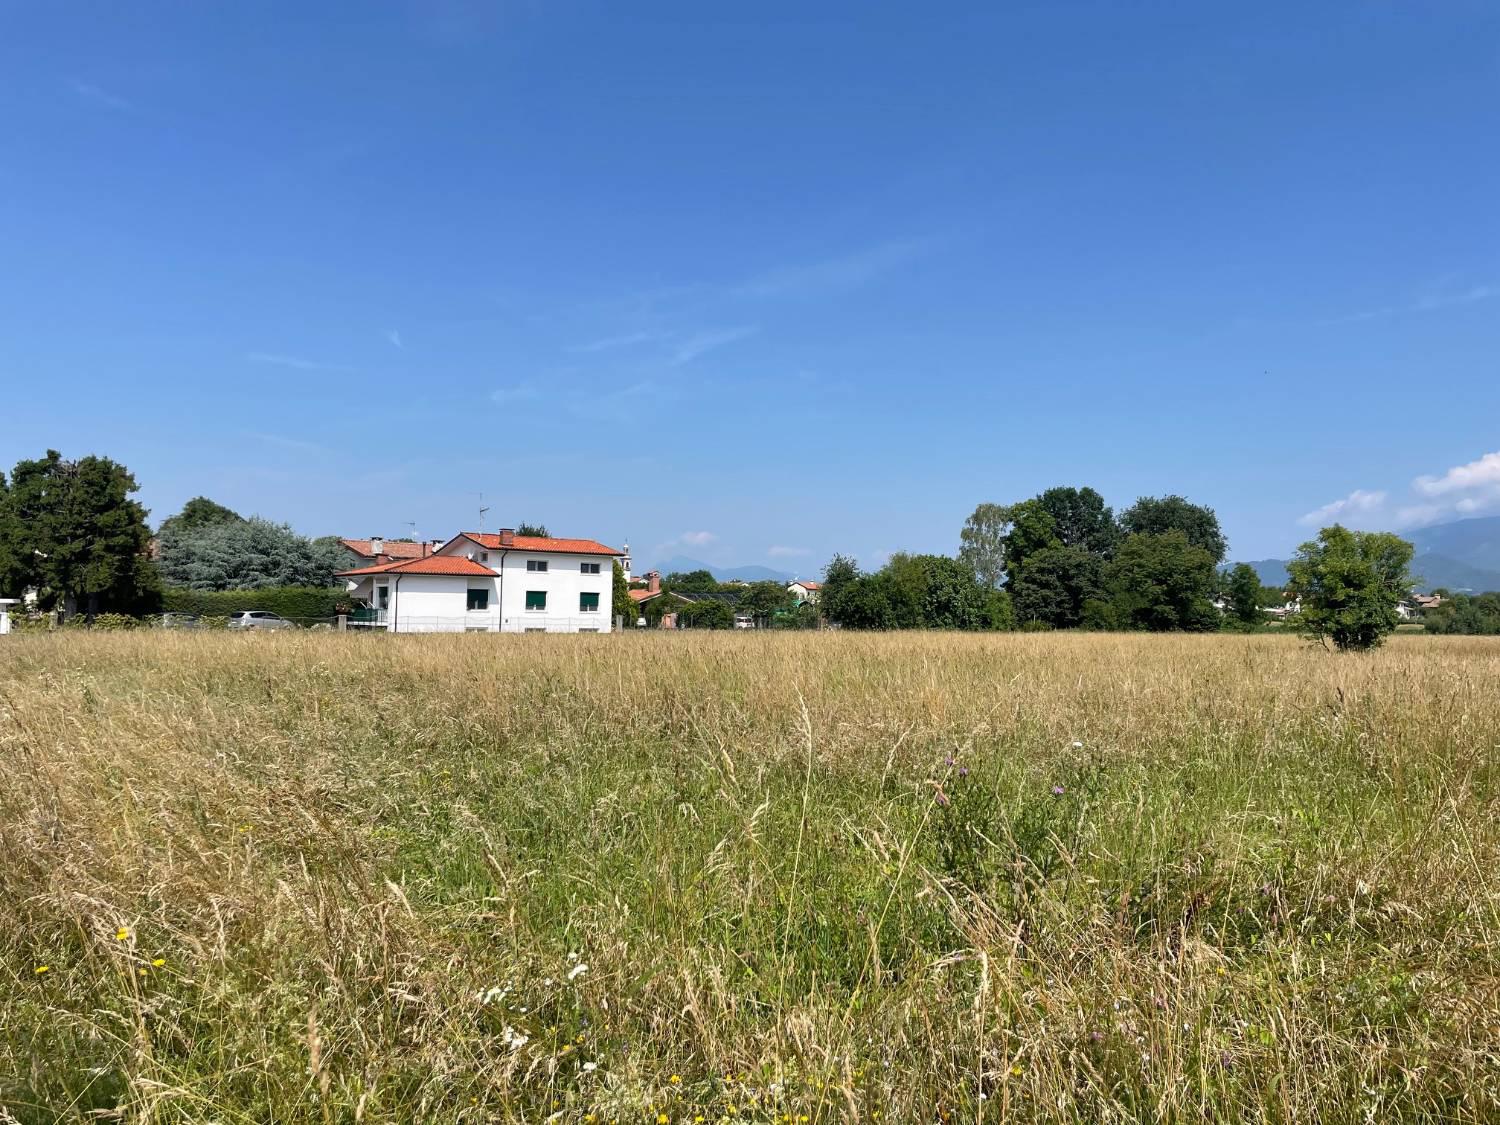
(756, 284)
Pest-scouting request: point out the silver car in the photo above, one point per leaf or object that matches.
(259, 619)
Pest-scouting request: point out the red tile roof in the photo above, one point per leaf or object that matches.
(645, 595)
(455, 565)
(391, 549)
(806, 585)
(541, 544)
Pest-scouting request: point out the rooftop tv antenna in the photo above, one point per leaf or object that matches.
(413, 525)
(482, 510)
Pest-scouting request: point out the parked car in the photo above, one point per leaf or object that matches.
(180, 621)
(259, 619)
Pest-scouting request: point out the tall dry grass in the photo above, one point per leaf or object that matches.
(805, 878)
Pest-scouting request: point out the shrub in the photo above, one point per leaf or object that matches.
(295, 602)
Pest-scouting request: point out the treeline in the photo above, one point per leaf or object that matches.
(1059, 560)
(72, 533)
(1474, 615)
(715, 604)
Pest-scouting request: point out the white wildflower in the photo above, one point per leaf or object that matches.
(514, 1039)
(590, 1067)
(577, 971)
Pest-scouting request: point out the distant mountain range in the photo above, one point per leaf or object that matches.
(1460, 556)
(679, 564)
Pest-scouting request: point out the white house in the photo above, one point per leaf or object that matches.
(804, 590)
(502, 583)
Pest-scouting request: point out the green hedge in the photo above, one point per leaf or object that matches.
(294, 602)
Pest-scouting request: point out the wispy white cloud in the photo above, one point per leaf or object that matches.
(697, 538)
(832, 275)
(287, 442)
(394, 336)
(1359, 503)
(295, 362)
(99, 96)
(779, 552)
(610, 343)
(699, 344)
(1429, 303)
(517, 392)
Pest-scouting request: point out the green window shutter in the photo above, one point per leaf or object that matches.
(536, 599)
(588, 603)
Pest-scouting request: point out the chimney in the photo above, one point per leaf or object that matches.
(377, 546)
(432, 548)
(653, 581)
(507, 537)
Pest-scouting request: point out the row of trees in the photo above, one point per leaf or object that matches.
(912, 592)
(1063, 560)
(1477, 615)
(1067, 562)
(715, 604)
(72, 532)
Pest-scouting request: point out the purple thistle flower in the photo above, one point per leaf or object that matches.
(1058, 790)
(963, 771)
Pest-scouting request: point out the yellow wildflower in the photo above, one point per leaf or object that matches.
(122, 934)
(159, 962)
(142, 972)
(662, 1119)
(43, 968)
(676, 1079)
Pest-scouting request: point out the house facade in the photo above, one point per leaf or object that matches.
(804, 591)
(491, 583)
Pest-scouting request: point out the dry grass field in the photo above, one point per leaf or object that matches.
(768, 878)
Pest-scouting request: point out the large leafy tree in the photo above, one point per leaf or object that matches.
(1157, 515)
(982, 542)
(198, 512)
(1162, 583)
(691, 582)
(1244, 595)
(838, 575)
(247, 555)
(70, 531)
(1081, 518)
(1032, 530)
(1350, 584)
(1055, 585)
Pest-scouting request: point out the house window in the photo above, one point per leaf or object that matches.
(536, 599)
(479, 598)
(589, 568)
(383, 597)
(588, 603)
(484, 556)
(536, 566)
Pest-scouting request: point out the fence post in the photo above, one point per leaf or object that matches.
(343, 622)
